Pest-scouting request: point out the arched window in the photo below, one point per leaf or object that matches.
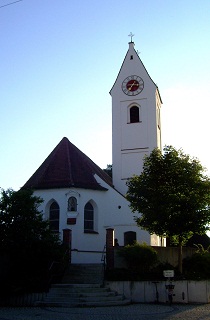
(88, 218)
(72, 204)
(134, 114)
(54, 214)
(129, 238)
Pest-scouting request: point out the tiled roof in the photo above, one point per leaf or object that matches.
(66, 167)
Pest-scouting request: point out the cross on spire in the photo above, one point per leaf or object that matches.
(131, 35)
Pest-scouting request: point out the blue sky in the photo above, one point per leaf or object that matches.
(59, 60)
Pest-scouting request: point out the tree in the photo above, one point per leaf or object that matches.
(173, 196)
(26, 241)
(108, 170)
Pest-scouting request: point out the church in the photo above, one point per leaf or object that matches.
(81, 201)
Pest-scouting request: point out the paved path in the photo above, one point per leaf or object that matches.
(133, 312)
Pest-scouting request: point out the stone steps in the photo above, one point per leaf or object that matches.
(82, 286)
(80, 296)
(83, 273)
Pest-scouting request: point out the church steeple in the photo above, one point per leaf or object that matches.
(136, 128)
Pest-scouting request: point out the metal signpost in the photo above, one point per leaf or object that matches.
(169, 287)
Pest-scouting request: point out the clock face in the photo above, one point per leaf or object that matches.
(132, 85)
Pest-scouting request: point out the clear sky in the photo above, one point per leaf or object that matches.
(60, 58)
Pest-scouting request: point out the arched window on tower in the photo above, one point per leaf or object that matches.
(134, 114)
(88, 218)
(72, 204)
(54, 214)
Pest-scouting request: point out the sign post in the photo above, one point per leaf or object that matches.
(169, 287)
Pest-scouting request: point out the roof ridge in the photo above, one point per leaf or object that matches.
(69, 162)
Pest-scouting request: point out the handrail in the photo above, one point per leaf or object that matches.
(53, 263)
(90, 251)
(103, 259)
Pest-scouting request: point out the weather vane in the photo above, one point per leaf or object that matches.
(131, 35)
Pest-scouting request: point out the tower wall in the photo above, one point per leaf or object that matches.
(132, 141)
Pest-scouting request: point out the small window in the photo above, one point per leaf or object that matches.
(134, 114)
(129, 238)
(131, 57)
(72, 204)
(54, 217)
(88, 218)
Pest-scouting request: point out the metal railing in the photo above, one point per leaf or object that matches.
(103, 260)
(57, 268)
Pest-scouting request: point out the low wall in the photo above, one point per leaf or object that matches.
(170, 254)
(165, 254)
(145, 291)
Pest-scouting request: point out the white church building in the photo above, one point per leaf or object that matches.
(79, 197)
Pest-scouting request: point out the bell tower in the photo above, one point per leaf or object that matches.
(136, 121)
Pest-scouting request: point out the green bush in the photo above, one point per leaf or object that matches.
(139, 257)
(197, 267)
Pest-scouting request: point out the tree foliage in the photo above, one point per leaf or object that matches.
(172, 194)
(108, 170)
(26, 243)
(197, 266)
(21, 223)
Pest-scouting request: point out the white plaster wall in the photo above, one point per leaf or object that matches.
(132, 141)
(134, 135)
(145, 291)
(131, 163)
(199, 291)
(111, 210)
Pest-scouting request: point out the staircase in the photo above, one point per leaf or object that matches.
(84, 274)
(82, 286)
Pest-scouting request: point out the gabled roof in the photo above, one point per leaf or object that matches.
(67, 167)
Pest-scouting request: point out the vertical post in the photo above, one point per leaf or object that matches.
(67, 239)
(110, 248)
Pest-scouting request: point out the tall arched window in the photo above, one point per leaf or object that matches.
(72, 204)
(88, 218)
(54, 214)
(134, 114)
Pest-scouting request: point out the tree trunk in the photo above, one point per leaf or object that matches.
(180, 255)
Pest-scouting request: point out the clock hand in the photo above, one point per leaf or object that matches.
(131, 86)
